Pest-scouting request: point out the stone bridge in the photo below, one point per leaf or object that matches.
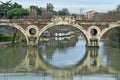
(33, 28)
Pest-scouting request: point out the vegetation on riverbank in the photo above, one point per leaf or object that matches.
(3, 46)
(112, 38)
(5, 37)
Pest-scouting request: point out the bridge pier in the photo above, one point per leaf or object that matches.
(93, 43)
(33, 41)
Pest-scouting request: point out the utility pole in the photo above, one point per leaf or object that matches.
(81, 10)
(81, 13)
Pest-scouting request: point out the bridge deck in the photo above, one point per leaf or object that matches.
(43, 22)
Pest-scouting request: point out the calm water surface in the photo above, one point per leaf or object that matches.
(64, 59)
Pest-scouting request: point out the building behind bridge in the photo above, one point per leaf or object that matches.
(90, 15)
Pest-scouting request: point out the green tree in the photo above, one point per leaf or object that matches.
(17, 13)
(39, 11)
(50, 7)
(4, 7)
(64, 12)
(15, 5)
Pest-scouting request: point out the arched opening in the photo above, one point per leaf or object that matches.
(93, 32)
(32, 31)
(56, 31)
(60, 42)
(11, 34)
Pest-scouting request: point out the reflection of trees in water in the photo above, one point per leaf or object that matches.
(11, 56)
(113, 57)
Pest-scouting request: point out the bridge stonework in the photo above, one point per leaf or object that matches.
(33, 28)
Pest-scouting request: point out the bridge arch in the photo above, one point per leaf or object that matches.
(107, 29)
(73, 25)
(18, 28)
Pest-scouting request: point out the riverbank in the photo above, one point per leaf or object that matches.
(3, 46)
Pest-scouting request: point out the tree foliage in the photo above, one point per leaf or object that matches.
(50, 7)
(12, 10)
(64, 12)
(17, 13)
(16, 5)
(4, 7)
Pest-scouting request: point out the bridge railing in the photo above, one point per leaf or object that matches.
(4, 20)
(63, 19)
(58, 19)
(25, 21)
(95, 22)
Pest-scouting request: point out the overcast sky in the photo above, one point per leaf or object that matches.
(72, 5)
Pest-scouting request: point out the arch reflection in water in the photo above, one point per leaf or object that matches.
(90, 63)
(63, 52)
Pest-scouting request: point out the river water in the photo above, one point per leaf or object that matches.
(60, 59)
